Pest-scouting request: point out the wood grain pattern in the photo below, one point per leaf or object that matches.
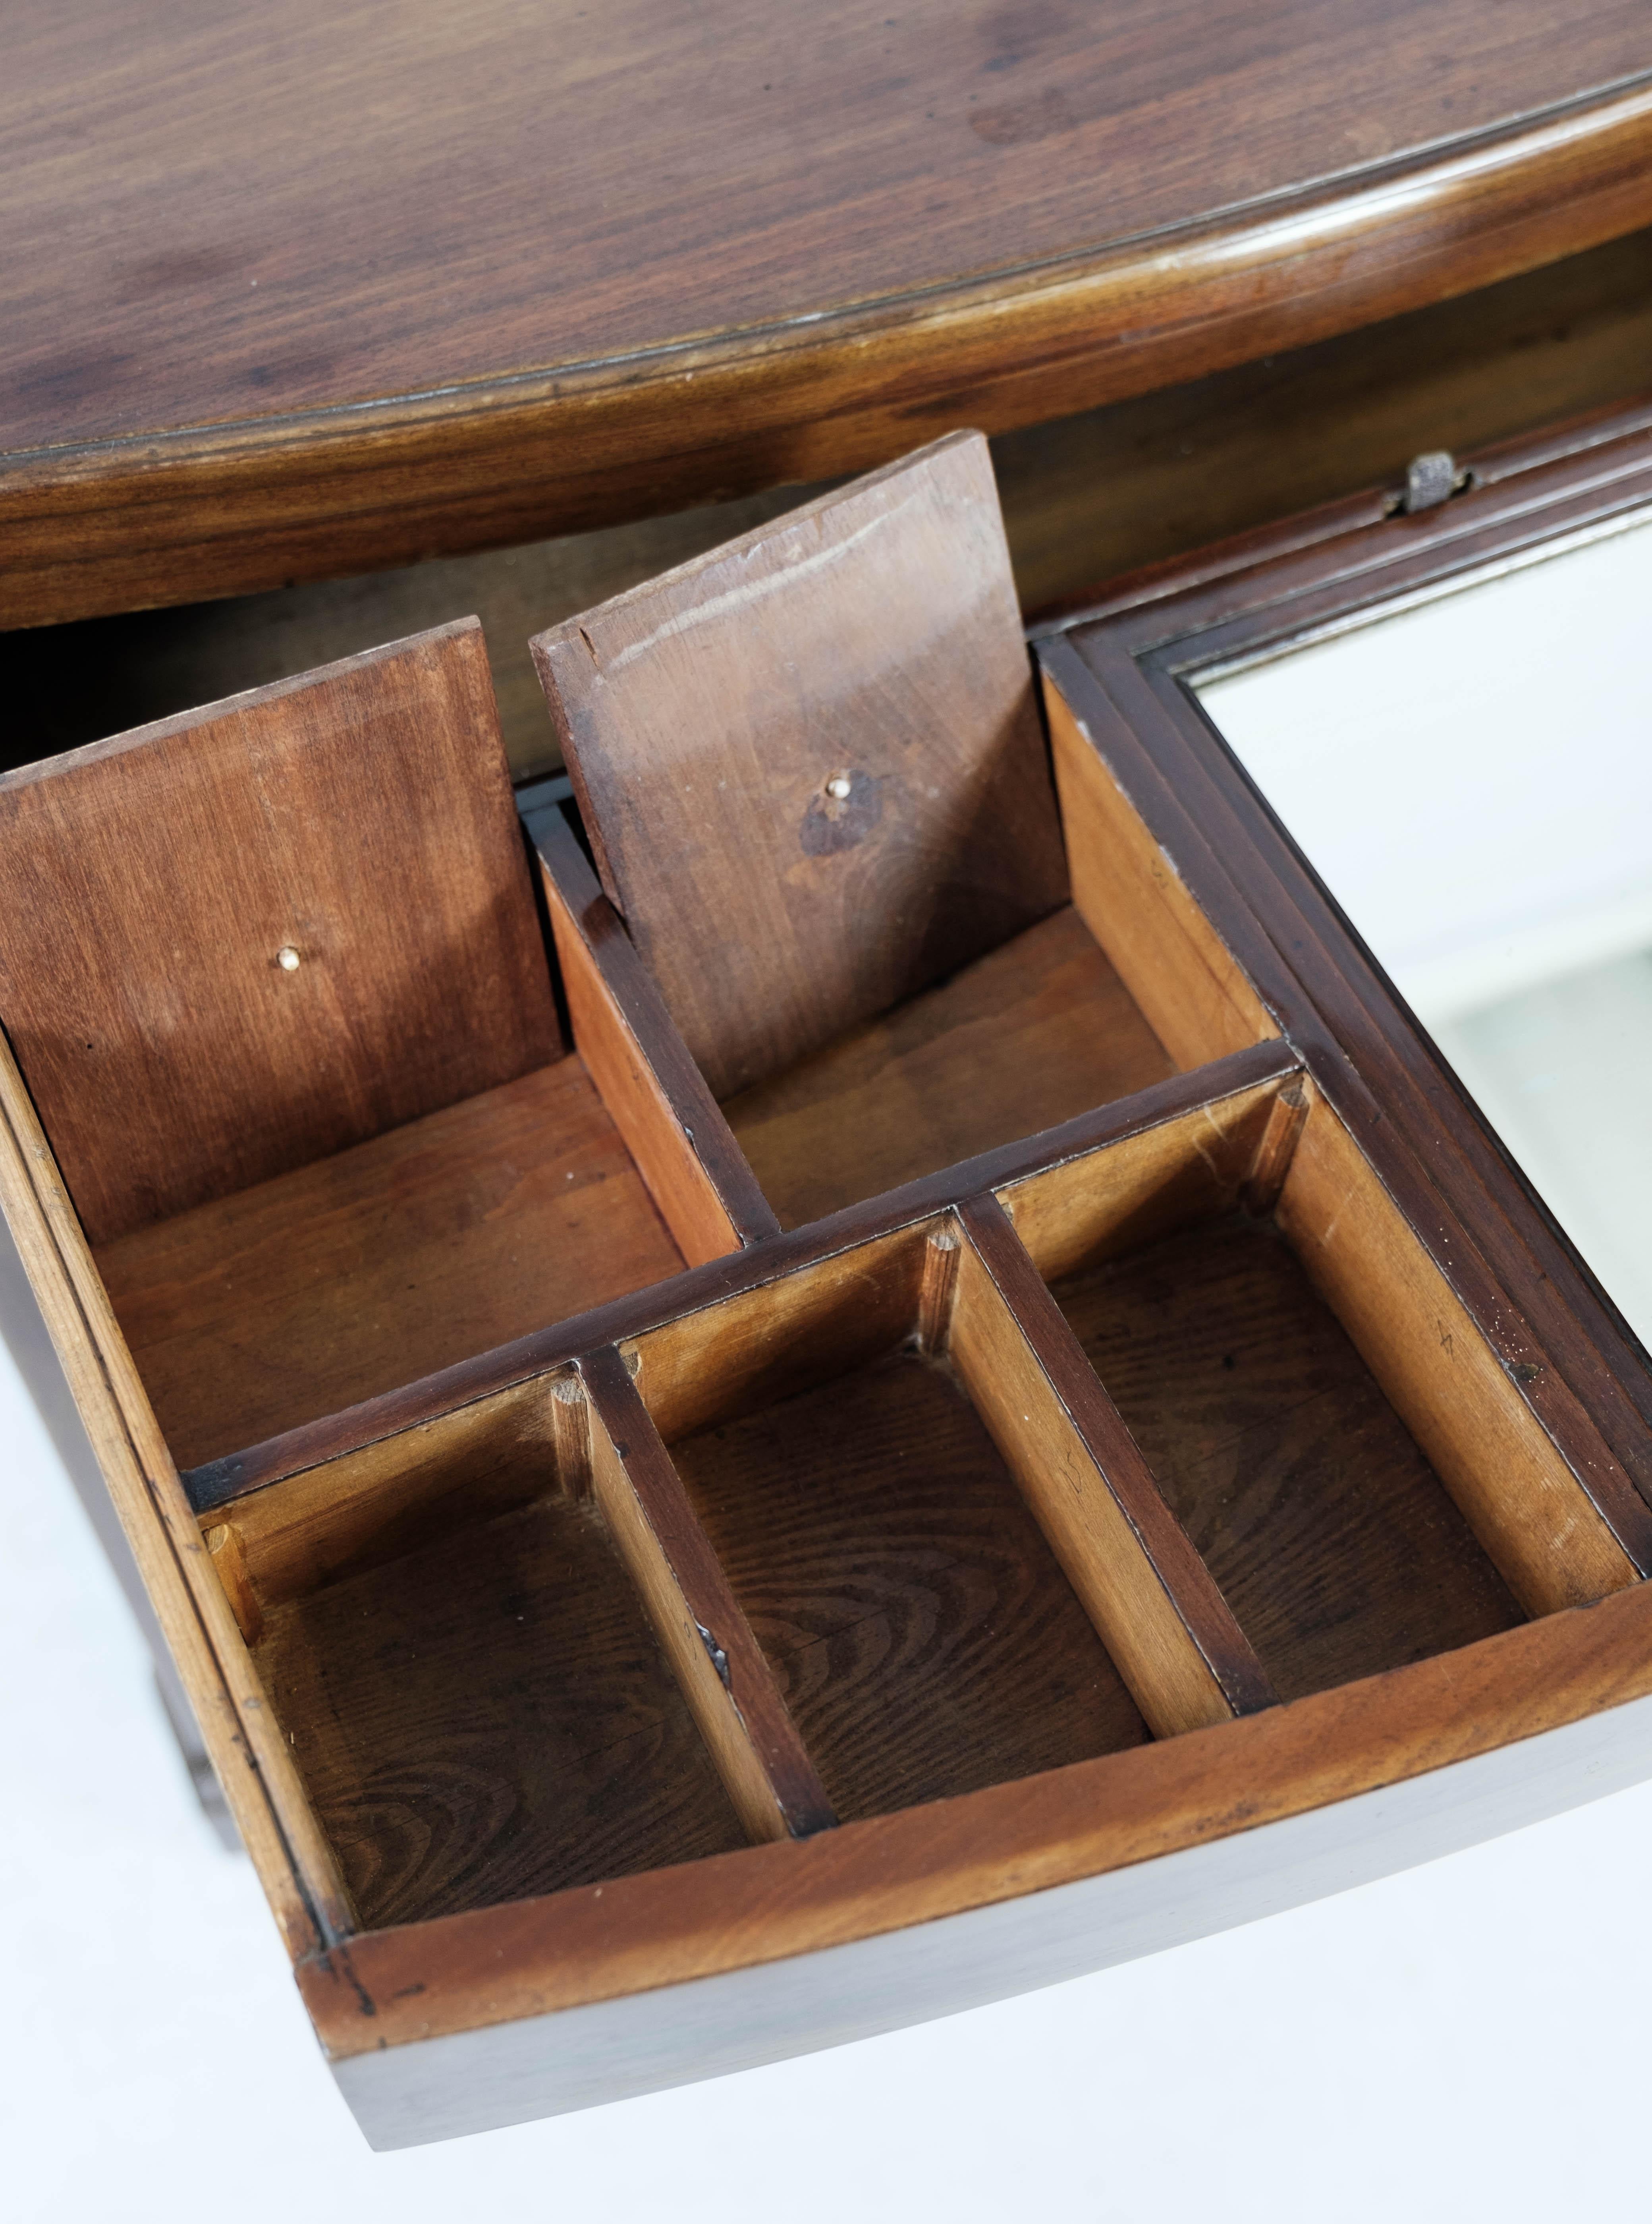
(1165, 479)
(1085, 499)
(1087, 1205)
(923, 1637)
(706, 1194)
(382, 1501)
(1527, 1508)
(230, 1563)
(1336, 1545)
(1033, 1034)
(439, 1241)
(360, 818)
(1155, 1607)
(490, 1717)
(780, 254)
(716, 1660)
(783, 1333)
(870, 642)
(873, 1877)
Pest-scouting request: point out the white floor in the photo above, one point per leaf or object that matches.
(1463, 2042)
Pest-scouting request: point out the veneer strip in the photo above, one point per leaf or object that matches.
(1160, 1615)
(719, 1663)
(219, 1481)
(695, 1170)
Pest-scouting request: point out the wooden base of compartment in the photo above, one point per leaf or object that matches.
(489, 1717)
(918, 1626)
(424, 1246)
(1036, 1033)
(1338, 1547)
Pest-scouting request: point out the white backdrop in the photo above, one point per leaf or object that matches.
(1464, 2041)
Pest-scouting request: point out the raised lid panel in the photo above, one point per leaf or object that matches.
(871, 638)
(361, 816)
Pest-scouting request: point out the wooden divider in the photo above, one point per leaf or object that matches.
(1530, 1513)
(718, 1663)
(683, 1147)
(1150, 1597)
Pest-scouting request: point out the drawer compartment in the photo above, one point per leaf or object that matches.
(489, 1715)
(919, 1628)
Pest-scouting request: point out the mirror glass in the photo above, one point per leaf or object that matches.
(1471, 778)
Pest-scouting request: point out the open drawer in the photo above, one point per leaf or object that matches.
(945, 1439)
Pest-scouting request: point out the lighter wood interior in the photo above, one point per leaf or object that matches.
(919, 1628)
(397, 1493)
(525, 1645)
(490, 1716)
(1128, 983)
(361, 1271)
(1033, 1034)
(1530, 1513)
(742, 1716)
(1086, 1527)
(1362, 1478)
(1127, 889)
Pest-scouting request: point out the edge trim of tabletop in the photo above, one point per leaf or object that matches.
(212, 510)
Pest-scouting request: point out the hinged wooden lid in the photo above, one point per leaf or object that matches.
(811, 762)
(248, 936)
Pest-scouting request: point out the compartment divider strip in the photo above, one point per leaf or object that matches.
(1276, 1150)
(685, 1149)
(1152, 1600)
(719, 1663)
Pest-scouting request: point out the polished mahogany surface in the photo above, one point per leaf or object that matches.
(301, 290)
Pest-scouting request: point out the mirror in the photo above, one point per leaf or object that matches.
(1471, 776)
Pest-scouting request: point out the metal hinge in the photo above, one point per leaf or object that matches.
(1429, 480)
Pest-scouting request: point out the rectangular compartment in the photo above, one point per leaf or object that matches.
(918, 1626)
(1364, 1482)
(468, 1682)
(348, 1277)
(1031, 1035)
(865, 1451)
